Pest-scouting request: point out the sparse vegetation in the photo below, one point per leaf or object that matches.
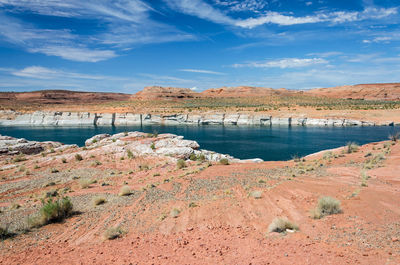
(5, 233)
(130, 154)
(78, 157)
(224, 161)
(52, 211)
(351, 147)
(256, 194)
(112, 233)
(19, 158)
(152, 146)
(125, 191)
(86, 182)
(98, 200)
(54, 170)
(174, 213)
(282, 225)
(64, 160)
(394, 137)
(326, 206)
(180, 164)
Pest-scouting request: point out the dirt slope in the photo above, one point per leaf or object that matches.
(219, 221)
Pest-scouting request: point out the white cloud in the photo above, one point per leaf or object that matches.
(76, 54)
(123, 24)
(39, 72)
(206, 11)
(201, 71)
(284, 63)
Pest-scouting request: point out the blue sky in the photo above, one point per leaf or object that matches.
(124, 45)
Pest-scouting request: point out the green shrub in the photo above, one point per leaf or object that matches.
(326, 206)
(53, 211)
(224, 161)
(78, 157)
(193, 157)
(180, 164)
(130, 154)
(152, 146)
(281, 225)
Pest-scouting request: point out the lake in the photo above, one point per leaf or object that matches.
(265, 142)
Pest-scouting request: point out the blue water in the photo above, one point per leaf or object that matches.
(268, 143)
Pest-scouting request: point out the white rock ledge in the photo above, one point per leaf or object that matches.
(41, 118)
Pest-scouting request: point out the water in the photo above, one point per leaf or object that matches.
(268, 143)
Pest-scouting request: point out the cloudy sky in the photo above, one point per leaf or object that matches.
(124, 45)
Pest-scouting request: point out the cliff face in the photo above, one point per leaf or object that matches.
(9, 118)
(389, 91)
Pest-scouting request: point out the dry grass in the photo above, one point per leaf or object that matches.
(351, 147)
(224, 161)
(282, 225)
(256, 194)
(112, 233)
(98, 200)
(174, 213)
(125, 191)
(181, 164)
(85, 183)
(326, 206)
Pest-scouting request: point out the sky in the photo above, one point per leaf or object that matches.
(125, 45)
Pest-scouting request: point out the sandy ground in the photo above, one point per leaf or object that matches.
(219, 221)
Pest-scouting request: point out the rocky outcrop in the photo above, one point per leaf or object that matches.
(12, 146)
(8, 118)
(141, 144)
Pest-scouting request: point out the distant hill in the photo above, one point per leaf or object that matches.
(60, 97)
(243, 91)
(158, 92)
(384, 91)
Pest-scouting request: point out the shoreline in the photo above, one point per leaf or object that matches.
(58, 118)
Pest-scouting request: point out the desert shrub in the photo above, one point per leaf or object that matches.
(174, 213)
(201, 157)
(130, 154)
(193, 157)
(19, 158)
(326, 206)
(281, 225)
(54, 170)
(98, 200)
(52, 211)
(224, 161)
(152, 146)
(192, 205)
(256, 194)
(85, 183)
(78, 157)
(351, 147)
(180, 164)
(112, 233)
(125, 191)
(5, 233)
(394, 137)
(64, 160)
